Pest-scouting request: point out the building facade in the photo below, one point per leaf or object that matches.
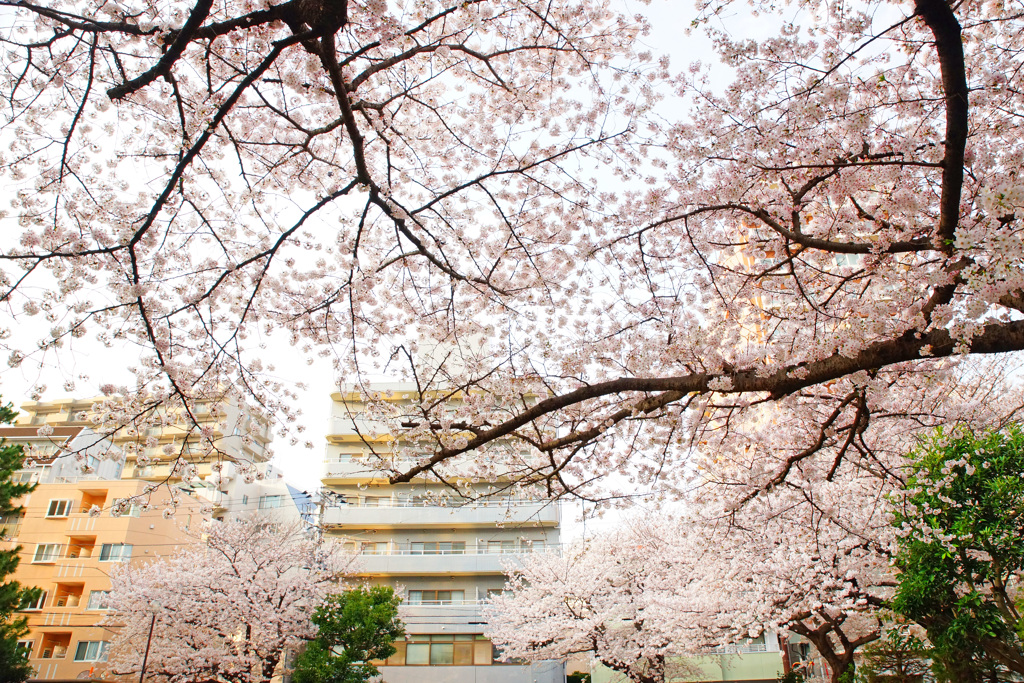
(69, 542)
(155, 451)
(444, 554)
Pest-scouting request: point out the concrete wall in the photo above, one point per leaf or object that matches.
(540, 672)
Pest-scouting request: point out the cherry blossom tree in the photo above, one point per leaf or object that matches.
(660, 589)
(485, 198)
(600, 598)
(222, 167)
(770, 567)
(225, 610)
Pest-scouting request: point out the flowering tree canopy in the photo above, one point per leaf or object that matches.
(488, 197)
(225, 610)
(644, 597)
(605, 598)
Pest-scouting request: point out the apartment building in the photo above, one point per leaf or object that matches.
(69, 543)
(270, 496)
(65, 454)
(240, 437)
(445, 555)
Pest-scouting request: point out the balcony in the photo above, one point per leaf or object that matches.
(55, 646)
(420, 516)
(67, 601)
(350, 468)
(398, 563)
(368, 429)
(464, 612)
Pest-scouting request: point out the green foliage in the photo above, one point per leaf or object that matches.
(791, 676)
(849, 674)
(962, 547)
(354, 627)
(14, 664)
(898, 657)
(577, 678)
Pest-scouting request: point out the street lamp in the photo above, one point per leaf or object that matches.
(154, 609)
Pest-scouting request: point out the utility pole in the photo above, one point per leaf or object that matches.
(154, 608)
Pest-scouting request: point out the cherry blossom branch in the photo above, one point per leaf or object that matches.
(182, 38)
(994, 338)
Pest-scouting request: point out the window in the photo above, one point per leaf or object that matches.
(446, 650)
(437, 597)
(442, 653)
(91, 651)
(505, 547)
(46, 552)
(438, 548)
(376, 501)
(417, 654)
(26, 646)
(59, 508)
(270, 502)
(36, 604)
(115, 552)
(245, 499)
(10, 525)
(98, 600)
(133, 509)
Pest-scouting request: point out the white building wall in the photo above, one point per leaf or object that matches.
(417, 538)
(539, 672)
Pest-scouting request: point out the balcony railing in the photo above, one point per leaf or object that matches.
(739, 648)
(399, 513)
(479, 549)
(491, 503)
(347, 465)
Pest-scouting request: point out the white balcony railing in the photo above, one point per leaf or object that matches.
(397, 513)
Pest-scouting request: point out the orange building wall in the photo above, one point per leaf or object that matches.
(64, 619)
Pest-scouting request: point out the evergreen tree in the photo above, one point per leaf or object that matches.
(14, 664)
(961, 555)
(899, 657)
(354, 627)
